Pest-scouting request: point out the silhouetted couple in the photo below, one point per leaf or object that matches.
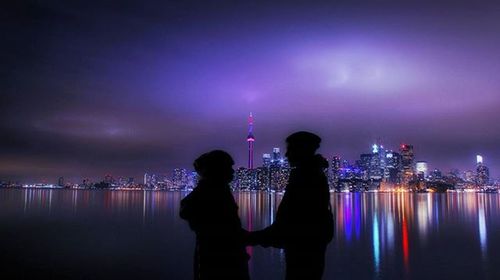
(303, 226)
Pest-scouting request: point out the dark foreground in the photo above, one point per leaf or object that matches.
(86, 234)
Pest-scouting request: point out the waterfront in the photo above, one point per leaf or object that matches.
(102, 234)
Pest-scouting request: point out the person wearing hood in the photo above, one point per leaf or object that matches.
(212, 214)
(304, 221)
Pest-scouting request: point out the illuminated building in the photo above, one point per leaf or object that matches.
(262, 178)
(365, 164)
(334, 174)
(375, 167)
(193, 179)
(153, 181)
(245, 178)
(266, 160)
(422, 169)
(122, 182)
(373, 164)
(407, 158)
(277, 170)
(276, 158)
(351, 177)
(479, 159)
(180, 178)
(436, 174)
(250, 140)
(393, 167)
(279, 177)
(469, 176)
(482, 172)
(382, 160)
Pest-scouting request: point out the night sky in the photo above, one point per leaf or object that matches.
(124, 88)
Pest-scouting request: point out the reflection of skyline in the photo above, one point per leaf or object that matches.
(397, 228)
(418, 216)
(482, 228)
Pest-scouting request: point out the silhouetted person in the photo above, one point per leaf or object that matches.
(212, 214)
(304, 221)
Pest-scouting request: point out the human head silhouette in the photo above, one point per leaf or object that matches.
(215, 166)
(301, 146)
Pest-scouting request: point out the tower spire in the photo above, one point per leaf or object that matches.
(250, 140)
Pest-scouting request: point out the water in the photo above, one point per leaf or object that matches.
(93, 234)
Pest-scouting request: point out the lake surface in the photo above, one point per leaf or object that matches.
(97, 234)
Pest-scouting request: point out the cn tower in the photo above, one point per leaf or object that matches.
(250, 140)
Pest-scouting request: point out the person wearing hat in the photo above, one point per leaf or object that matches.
(304, 222)
(212, 214)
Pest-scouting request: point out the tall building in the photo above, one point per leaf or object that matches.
(365, 163)
(180, 178)
(375, 168)
(373, 165)
(266, 160)
(393, 167)
(482, 172)
(407, 158)
(276, 158)
(334, 174)
(422, 169)
(250, 140)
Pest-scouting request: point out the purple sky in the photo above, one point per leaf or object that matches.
(133, 87)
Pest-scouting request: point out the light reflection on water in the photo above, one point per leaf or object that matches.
(377, 236)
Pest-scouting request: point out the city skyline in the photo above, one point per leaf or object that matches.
(415, 164)
(94, 89)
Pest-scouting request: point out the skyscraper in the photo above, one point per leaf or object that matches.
(266, 160)
(334, 174)
(482, 172)
(407, 161)
(365, 163)
(392, 171)
(250, 140)
(422, 169)
(276, 156)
